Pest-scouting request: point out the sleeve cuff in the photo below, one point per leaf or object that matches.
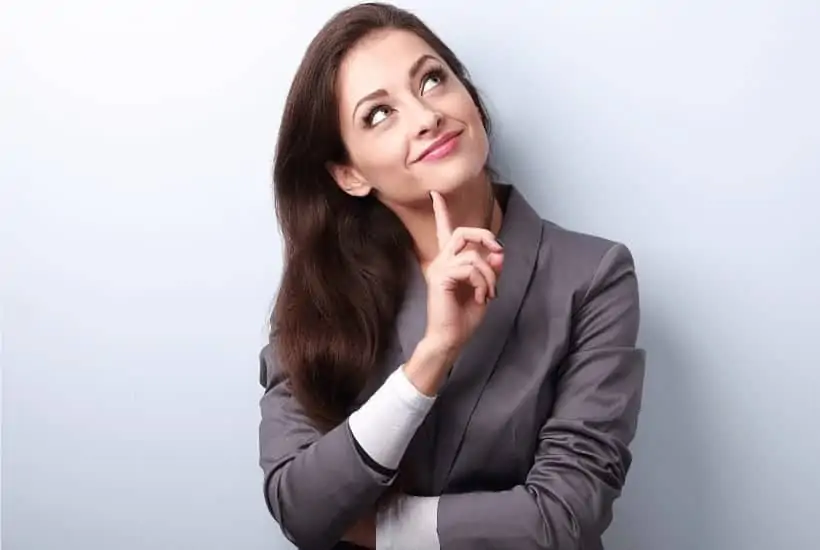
(408, 523)
(385, 424)
(409, 393)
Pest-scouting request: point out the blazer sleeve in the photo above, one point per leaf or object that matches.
(316, 485)
(582, 455)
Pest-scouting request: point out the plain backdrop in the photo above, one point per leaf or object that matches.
(140, 254)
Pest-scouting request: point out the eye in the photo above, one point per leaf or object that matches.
(376, 115)
(432, 79)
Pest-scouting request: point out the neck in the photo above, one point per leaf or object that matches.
(472, 205)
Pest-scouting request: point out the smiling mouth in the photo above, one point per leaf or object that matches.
(441, 147)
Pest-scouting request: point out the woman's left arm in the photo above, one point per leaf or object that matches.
(582, 455)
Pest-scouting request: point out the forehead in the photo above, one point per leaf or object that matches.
(380, 60)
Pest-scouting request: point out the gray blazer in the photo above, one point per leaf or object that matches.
(527, 443)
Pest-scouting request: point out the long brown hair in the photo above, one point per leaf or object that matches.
(346, 258)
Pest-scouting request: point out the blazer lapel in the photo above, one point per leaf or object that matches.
(412, 317)
(521, 235)
(418, 461)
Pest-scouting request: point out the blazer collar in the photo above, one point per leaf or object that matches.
(521, 233)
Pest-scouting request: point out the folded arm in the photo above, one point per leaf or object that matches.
(582, 455)
(320, 487)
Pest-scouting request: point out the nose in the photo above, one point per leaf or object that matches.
(429, 120)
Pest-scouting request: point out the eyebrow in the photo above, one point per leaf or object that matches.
(381, 92)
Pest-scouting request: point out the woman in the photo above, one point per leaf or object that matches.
(427, 386)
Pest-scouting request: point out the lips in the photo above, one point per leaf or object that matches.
(441, 147)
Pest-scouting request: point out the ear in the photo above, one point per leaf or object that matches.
(349, 179)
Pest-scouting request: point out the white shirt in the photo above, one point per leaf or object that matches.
(383, 427)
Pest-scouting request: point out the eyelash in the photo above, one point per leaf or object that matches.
(437, 72)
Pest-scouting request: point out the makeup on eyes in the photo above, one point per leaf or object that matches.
(436, 71)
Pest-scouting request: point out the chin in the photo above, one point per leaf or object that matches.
(455, 175)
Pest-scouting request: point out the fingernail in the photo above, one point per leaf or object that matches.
(499, 242)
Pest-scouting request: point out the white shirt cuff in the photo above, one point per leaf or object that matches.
(408, 523)
(384, 425)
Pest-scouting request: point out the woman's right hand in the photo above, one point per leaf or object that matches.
(461, 280)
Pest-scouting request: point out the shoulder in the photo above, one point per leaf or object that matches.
(578, 250)
(569, 260)
(269, 372)
(576, 262)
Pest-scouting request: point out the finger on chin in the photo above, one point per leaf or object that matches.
(442, 219)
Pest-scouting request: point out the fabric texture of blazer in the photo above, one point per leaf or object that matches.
(527, 442)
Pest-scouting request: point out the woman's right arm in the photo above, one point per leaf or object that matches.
(317, 485)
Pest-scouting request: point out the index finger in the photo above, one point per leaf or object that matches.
(444, 229)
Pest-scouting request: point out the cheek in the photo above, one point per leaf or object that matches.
(482, 139)
(475, 119)
(479, 134)
(390, 148)
(380, 155)
(468, 112)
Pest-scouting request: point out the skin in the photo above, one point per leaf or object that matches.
(386, 134)
(396, 98)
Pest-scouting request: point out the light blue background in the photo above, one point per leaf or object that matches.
(140, 253)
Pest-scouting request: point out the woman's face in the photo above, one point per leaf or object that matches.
(408, 123)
